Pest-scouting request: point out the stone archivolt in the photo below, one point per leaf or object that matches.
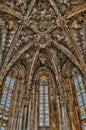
(43, 37)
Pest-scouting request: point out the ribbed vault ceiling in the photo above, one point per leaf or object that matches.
(42, 33)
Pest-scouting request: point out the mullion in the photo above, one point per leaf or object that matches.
(44, 102)
(47, 103)
(11, 87)
(6, 89)
(45, 107)
(81, 82)
(79, 90)
(81, 95)
(41, 86)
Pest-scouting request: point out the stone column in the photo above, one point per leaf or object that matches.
(17, 122)
(33, 109)
(20, 117)
(36, 113)
(65, 120)
(14, 106)
(21, 107)
(25, 116)
(19, 104)
(29, 109)
(32, 115)
(73, 113)
(58, 113)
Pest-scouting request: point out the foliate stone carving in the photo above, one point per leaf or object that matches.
(43, 16)
(76, 25)
(42, 58)
(11, 25)
(78, 22)
(42, 40)
(59, 35)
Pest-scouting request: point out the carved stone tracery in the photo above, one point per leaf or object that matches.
(46, 35)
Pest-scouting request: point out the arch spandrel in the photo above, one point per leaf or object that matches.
(43, 38)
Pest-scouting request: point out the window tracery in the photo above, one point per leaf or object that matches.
(6, 98)
(80, 94)
(44, 111)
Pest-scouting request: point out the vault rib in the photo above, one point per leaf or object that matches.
(5, 9)
(16, 36)
(79, 9)
(35, 59)
(32, 4)
(3, 72)
(70, 35)
(75, 46)
(68, 54)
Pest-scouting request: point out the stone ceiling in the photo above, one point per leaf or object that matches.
(40, 33)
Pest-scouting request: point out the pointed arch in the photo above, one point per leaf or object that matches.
(68, 54)
(12, 12)
(77, 10)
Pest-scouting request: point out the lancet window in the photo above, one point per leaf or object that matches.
(44, 111)
(6, 98)
(80, 94)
